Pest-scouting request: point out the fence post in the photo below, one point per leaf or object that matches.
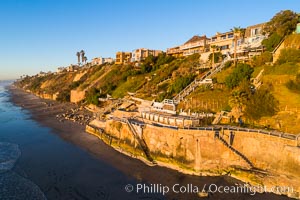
(298, 140)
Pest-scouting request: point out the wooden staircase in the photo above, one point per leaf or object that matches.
(140, 140)
(197, 82)
(219, 117)
(220, 138)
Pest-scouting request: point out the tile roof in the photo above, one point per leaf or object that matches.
(196, 38)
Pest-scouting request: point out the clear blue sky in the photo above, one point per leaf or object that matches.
(41, 35)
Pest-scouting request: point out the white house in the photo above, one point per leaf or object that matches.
(100, 60)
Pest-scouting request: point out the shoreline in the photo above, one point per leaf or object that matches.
(75, 134)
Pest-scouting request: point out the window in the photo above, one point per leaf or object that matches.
(255, 31)
(224, 47)
(223, 37)
(230, 35)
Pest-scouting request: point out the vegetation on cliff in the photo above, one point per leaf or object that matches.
(281, 25)
(162, 77)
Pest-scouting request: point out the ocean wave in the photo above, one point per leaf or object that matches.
(9, 154)
(3, 94)
(14, 186)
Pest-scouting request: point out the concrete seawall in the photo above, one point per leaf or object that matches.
(76, 96)
(202, 152)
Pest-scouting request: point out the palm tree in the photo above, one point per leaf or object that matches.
(84, 59)
(82, 55)
(214, 47)
(213, 54)
(237, 102)
(238, 33)
(78, 57)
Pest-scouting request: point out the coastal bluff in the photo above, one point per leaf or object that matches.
(208, 152)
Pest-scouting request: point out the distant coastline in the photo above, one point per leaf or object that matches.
(7, 80)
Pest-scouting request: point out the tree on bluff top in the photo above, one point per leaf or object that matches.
(282, 24)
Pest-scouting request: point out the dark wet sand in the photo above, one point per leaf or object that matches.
(132, 168)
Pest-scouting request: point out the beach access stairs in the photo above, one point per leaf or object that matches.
(204, 80)
(140, 140)
(219, 117)
(257, 81)
(229, 146)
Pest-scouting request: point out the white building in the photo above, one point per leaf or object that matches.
(142, 53)
(254, 35)
(61, 69)
(100, 60)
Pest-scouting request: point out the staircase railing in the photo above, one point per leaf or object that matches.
(217, 135)
(191, 87)
(140, 140)
(257, 80)
(218, 117)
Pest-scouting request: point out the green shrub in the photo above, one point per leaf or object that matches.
(146, 68)
(180, 83)
(227, 65)
(241, 72)
(74, 85)
(193, 58)
(217, 57)
(262, 59)
(163, 59)
(294, 86)
(286, 68)
(289, 55)
(272, 42)
(261, 104)
(131, 85)
(283, 23)
(92, 96)
(63, 96)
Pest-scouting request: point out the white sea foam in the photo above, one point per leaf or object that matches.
(9, 154)
(12, 185)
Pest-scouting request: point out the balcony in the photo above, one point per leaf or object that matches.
(187, 53)
(174, 51)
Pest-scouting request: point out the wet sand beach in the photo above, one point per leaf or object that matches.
(134, 170)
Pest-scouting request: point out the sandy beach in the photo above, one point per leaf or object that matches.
(75, 133)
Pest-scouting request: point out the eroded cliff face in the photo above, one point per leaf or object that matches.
(202, 151)
(77, 96)
(199, 150)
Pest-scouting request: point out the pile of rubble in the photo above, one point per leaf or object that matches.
(78, 115)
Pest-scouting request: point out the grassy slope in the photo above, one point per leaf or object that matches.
(117, 80)
(216, 99)
(288, 118)
(209, 99)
